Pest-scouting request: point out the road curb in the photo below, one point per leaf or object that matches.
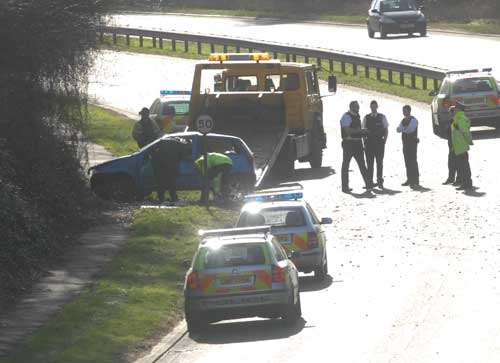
(321, 22)
(166, 344)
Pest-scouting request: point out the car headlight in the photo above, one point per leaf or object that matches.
(386, 20)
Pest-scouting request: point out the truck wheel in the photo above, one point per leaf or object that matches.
(285, 163)
(316, 156)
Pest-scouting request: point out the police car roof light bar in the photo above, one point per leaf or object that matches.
(274, 196)
(166, 92)
(234, 231)
(282, 188)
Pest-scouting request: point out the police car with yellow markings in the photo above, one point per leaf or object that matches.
(160, 107)
(294, 223)
(237, 273)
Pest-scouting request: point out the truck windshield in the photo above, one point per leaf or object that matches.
(241, 84)
(397, 5)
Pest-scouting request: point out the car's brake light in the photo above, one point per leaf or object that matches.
(278, 274)
(312, 240)
(447, 103)
(193, 281)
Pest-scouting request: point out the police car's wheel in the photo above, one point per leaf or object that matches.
(293, 311)
(195, 322)
(371, 33)
(383, 34)
(322, 272)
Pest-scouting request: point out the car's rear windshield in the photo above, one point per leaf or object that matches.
(232, 255)
(471, 85)
(397, 5)
(181, 107)
(279, 217)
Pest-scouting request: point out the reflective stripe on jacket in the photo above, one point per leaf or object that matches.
(214, 159)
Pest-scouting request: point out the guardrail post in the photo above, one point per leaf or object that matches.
(413, 80)
(379, 74)
(294, 57)
(318, 62)
(390, 76)
(288, 57)
(212, 48)
(330, 64)
(160, 42)
(424, 83)
(250, 50)
(154, 42)
(199, 47)
(127, 39)
(174, 45)
(238, 49)
(141, 41)
(101, 37)
(186, 46)
(275, 55)
(436, 84)
(367, 71)
(114, 38)
(402, 78)
(342, 67)
(225, 48)
(354, 69)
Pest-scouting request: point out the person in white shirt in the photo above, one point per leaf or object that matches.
(352, 146)
(409, 130)
(377, 126)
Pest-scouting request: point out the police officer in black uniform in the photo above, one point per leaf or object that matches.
(377, 126)
(409, 135)
(352, 145)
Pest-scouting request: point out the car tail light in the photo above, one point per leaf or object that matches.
(496, 99)
(312, 240)
(447, 103)
(278, 274)
(193, 281)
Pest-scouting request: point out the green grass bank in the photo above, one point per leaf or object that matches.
(138, 296)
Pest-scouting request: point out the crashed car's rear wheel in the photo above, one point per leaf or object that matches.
(293, 311)
(196, 323)
(116, 188)
(321, 272)
(235, 187)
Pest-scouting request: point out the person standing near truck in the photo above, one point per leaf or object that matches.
(452, 159)
(145, 130)
(409, 134)
(462, 139)
(352, 146)
(377, 126)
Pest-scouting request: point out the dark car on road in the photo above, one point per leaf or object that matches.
(131, 177)
(395, 17)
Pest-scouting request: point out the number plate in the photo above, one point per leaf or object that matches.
(237, 280)
(407, 26)
(285, 239)
(475, 101)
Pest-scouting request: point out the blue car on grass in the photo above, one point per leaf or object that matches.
(131, 177)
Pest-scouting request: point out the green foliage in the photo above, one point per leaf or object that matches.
(139, 294)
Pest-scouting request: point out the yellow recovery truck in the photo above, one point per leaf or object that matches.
(275, 107)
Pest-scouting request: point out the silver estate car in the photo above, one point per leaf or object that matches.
(237, 273)
(476, 89)
(294, 223)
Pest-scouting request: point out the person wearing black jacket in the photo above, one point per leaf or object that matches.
(352, 146)
(377, 126)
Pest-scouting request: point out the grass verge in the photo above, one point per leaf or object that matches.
(138, 296)
(111, 130)
(178, 49)
(484, 26)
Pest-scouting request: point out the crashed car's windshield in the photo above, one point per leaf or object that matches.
(397, 5)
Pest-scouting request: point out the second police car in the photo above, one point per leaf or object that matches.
(179, 100)
(240, 272)
(293, 222)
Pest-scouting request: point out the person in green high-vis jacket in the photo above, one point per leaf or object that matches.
(219, 166)
(461, 139)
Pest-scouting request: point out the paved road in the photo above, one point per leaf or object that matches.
(437, 49)
(413, 274)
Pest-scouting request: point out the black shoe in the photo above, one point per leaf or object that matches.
(449, 181)
(380, 185)
(456, 183)
(346, 190)
(406, 183)
(415, 185)
(461, 187)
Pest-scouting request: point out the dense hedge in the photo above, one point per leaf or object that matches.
(45, 52)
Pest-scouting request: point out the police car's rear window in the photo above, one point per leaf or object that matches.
(235, 255)
(181, 108)
(280, 217)
(471, 85)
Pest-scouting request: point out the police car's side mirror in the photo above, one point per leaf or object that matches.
(326, 221)
(332, 84)
(433, 93)
(375, 11)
